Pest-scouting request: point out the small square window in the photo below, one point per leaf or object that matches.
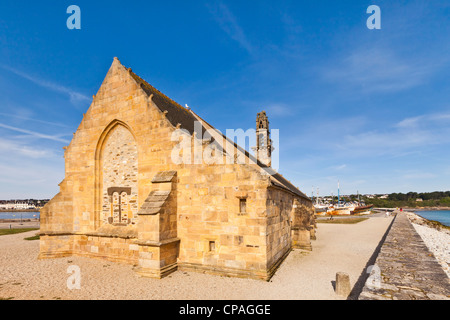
(212, 246)
(242, 206)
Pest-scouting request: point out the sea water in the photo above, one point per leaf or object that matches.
(19, 215)
(443, 216)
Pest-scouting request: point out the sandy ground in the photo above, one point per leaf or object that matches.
(18, 225)
(303, 275)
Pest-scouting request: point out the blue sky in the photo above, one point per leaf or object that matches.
(369, 108)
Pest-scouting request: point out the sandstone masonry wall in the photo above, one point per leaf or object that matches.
(218, 218)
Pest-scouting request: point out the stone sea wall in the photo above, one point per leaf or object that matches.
(405, 269)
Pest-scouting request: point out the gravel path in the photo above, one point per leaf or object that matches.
(303, 275)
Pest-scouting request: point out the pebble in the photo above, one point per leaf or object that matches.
(437, 241)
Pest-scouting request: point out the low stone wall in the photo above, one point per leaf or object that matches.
(405, 269)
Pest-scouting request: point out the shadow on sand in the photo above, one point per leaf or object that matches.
(359, 285)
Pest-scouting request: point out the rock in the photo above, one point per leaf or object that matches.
(342, 284)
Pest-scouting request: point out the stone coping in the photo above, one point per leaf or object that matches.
(405, 269)
(154, 202)
(164, 176)
(56, 233)
(151, 243)
(93, 234)
(106, 235)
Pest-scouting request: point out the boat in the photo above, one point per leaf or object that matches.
(341, 209)
(362, 209)
(321, 208)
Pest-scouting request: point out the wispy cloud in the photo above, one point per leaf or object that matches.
(339, 167)
(34, 120)
(419, 175)
(24, 177)
(379, 70)
(74, 96)
(228, 23)
(434, 120)
(409, 122)
(280, 110)
(404, 136)
(12, 146)
(35, 134)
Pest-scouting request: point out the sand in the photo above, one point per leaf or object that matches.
(303, 275)
(17, 225)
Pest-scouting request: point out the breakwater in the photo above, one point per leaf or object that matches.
(405, 269)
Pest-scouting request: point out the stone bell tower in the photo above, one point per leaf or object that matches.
(263, 149)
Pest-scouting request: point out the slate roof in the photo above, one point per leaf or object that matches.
(177, 114)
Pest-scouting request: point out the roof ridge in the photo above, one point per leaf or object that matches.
(181, 119)
(142, 81)
(274, 176)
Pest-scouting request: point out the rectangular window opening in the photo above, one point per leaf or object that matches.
(242, 206)
(212, 246)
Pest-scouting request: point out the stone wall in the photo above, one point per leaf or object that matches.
(216, 236)
(279, 220)
(405, 269)
(303, 225)
(119, 162)
(124, 141)
(123, 121)
(107, 247)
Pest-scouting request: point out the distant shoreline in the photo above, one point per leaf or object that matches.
(428, 222)
(428, 209)
(19, 220)
(20, 210)
(416, 208)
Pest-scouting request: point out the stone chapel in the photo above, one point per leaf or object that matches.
(125, 199)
